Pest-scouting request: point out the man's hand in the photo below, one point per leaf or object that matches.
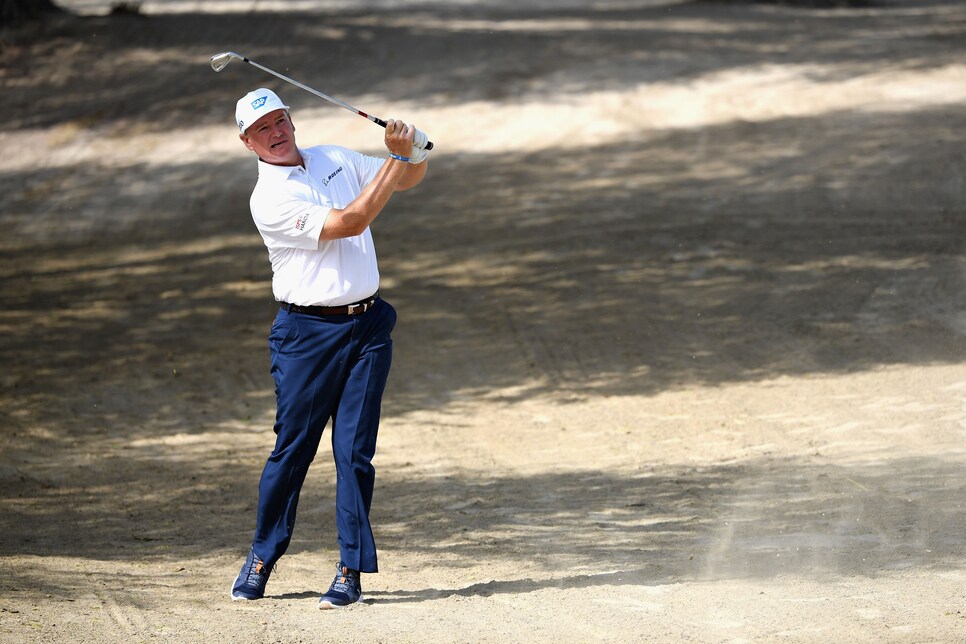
(399, 138)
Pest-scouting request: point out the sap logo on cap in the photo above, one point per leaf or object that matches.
(257, 103)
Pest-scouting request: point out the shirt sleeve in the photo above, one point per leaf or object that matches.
(288, 221)
(368, 167)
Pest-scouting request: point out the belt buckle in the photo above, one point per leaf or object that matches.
(365, 306)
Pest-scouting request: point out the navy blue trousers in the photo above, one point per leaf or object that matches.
(332, 367)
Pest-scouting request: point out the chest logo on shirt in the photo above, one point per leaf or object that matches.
(328, 179)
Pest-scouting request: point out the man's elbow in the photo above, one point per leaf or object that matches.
(353, 228)
(342, 223)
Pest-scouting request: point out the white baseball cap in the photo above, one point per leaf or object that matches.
(254, 105)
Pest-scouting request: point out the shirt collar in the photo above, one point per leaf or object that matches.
(282, 172)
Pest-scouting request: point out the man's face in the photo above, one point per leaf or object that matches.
(272, 138)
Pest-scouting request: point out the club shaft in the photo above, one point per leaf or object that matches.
(311, 90)
(378, 121)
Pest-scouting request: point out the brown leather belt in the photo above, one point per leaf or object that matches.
(349, 309)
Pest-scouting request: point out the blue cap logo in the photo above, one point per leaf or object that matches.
(258, 102)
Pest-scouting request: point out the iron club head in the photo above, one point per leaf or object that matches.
(220, 61)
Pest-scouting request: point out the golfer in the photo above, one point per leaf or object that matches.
(330, 344)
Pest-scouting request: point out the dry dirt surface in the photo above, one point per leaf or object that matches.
(681, 340)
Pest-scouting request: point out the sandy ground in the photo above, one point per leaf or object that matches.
(681, 339)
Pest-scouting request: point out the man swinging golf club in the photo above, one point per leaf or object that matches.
(330, 344)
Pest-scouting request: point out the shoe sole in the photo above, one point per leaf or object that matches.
(324, 605)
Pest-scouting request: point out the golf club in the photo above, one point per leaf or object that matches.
(220, 61)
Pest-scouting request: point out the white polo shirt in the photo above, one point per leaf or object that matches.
(290, 205)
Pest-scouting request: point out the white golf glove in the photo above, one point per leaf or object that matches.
(418, 155)
(420, 139)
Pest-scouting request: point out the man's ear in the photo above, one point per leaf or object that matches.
(244, 139)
